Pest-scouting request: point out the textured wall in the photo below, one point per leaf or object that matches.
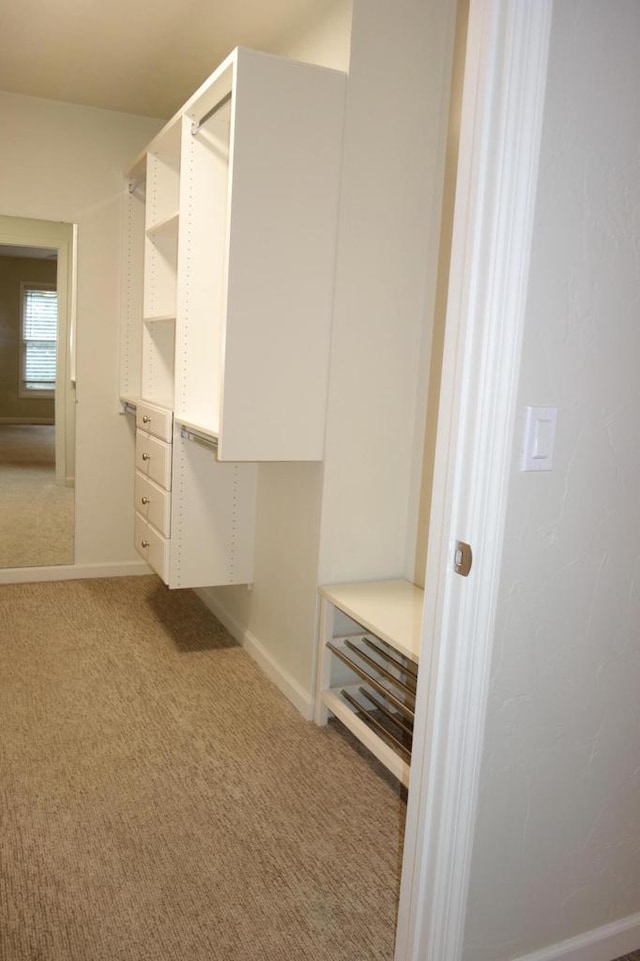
(558, 827)
(14, 270)
(394, 153)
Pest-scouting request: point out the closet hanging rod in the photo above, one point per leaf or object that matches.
(189, 434)
(197, 125)
(381, 669)
(405, 727)
(394, 661)
(397, 702)
(373, 722)
(392, 652)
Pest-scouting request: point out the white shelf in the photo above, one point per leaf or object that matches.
(392, 610)
(158, 351)
(168, 227)
(197, 428)
(376, 611)
(163, 185)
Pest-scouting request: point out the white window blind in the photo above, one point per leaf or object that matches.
(39, 328)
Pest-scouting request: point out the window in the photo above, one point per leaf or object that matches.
(38, 340)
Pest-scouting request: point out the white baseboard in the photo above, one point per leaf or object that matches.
(291, 689)
(601, 944)
(72, 572)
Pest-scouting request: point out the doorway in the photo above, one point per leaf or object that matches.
(37, 393)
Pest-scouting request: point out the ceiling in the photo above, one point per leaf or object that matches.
(138, 56)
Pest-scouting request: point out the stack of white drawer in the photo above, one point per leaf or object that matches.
(154, 435)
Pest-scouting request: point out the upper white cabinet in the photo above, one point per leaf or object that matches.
(240, 222)
(231, 233)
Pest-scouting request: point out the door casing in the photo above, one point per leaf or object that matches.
(503, 99)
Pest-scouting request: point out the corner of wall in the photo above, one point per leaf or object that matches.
(274, 670)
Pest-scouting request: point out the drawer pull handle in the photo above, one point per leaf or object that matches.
(146, 419)
(145, 500)
(146, 456)
(145, 544)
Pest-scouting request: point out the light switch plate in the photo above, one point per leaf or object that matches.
(539, 438)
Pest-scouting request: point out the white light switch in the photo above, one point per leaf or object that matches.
(539, 438)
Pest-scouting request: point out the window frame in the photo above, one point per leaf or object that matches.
(23, 391)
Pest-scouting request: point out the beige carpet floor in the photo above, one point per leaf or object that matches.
(160, 799)
(36, 514)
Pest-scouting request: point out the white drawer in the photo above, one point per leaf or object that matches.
(154, 420)
(153, 503)
(152, 546)
(153, 458)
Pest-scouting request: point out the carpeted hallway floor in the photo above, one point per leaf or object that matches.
(36, 514)
(159, 798)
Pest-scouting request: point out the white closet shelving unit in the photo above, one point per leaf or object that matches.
(161, 268)
(368, 657)
(233, 210)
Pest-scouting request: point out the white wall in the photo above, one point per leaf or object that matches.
(558, 827)
(354, 518)
(395, 137)
(62, 162)
(324, 39)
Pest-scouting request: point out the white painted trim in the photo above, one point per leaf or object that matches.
(600, 944)
(71, 572)
(291, 689)
(65, 384)
(495, 195)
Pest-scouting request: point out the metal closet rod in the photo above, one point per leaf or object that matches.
(209, 442)
(198, 124)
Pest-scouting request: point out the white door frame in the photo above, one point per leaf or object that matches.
(504, 85)
(27, 232)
